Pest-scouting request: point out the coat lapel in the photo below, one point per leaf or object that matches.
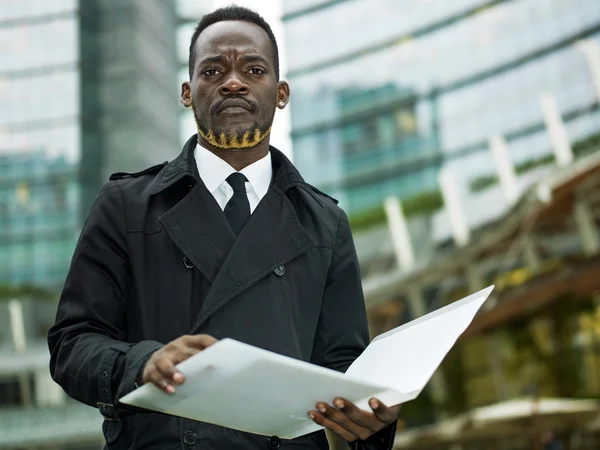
(195, 224)
(199, 228)
(272, 237)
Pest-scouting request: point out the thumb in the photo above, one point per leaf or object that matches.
(383, 413)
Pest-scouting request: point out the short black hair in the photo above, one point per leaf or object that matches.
(233, 12)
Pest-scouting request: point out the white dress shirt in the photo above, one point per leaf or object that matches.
(214, 172)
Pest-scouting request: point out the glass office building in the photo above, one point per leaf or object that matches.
(40, 136)
(87, 88)
(385, 92)
(189, 13)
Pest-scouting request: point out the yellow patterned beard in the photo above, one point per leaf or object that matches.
(235, 141)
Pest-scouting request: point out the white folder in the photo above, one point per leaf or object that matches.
(246, 388)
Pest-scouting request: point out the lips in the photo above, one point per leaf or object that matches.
(234, 103)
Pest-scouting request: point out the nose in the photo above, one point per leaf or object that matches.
(233, 85)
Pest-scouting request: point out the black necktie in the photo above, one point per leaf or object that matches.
(237, 209)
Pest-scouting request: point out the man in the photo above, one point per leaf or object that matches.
(227, 240)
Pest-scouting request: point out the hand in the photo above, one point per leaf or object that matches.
(160, 369)
(352, 423)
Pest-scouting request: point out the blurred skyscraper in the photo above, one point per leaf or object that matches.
(386, 91)
(87, 88)
(189, 12)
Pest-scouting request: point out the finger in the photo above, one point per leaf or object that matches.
(200, 341)
(358, 416)
(155, 377)
(180, 355)
(166, 366)
(319, 418)
(384, 413)
(340, 418)
(177, 355)
(169, 373)
(176, 352)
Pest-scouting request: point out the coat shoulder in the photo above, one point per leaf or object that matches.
(149, 171)
(320, 194)
(319, 213)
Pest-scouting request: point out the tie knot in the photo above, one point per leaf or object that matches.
(237, 181)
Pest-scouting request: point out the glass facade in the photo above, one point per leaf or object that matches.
(39, 140)
(87, 88)
(384, 92)
(189, 12)
(38, 217)
(129, 88)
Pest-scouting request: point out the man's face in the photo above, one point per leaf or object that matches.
(234, 89)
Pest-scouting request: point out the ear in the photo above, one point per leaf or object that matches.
(283, 94)
(186, 94)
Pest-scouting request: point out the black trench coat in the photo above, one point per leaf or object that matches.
(157, 259)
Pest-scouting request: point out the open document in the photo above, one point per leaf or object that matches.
(246, 388)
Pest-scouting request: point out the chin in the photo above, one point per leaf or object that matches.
(234, 139)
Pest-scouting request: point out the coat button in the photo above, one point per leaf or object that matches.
(279, 271)
(274, 442)
(187, 263)
(189, 437)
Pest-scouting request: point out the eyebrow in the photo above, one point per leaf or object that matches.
(212, 59)
(245, 58)
(254, 58)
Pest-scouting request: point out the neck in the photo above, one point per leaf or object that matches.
(238, 158)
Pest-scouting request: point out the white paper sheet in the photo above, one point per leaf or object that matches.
(239, 386)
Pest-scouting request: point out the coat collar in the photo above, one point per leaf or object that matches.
(183, 165)
(285, 175)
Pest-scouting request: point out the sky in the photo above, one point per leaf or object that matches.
(272, 11)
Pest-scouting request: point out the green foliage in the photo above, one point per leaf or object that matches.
(453, 374)
(587, 145)
(420, 411)
(533, 163)
(482, 183)
(366, 219)
(554, 370)
(580, 148)
(423, 203)
(430, 201)
(8, 292)
(565, 361)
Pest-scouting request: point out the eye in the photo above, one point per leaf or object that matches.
(210, 72)
(257, 71)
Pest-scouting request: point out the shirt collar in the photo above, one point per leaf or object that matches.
(214, 171)
(259, 174)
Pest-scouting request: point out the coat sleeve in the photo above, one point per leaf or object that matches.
(89, 357)
(343, 332)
